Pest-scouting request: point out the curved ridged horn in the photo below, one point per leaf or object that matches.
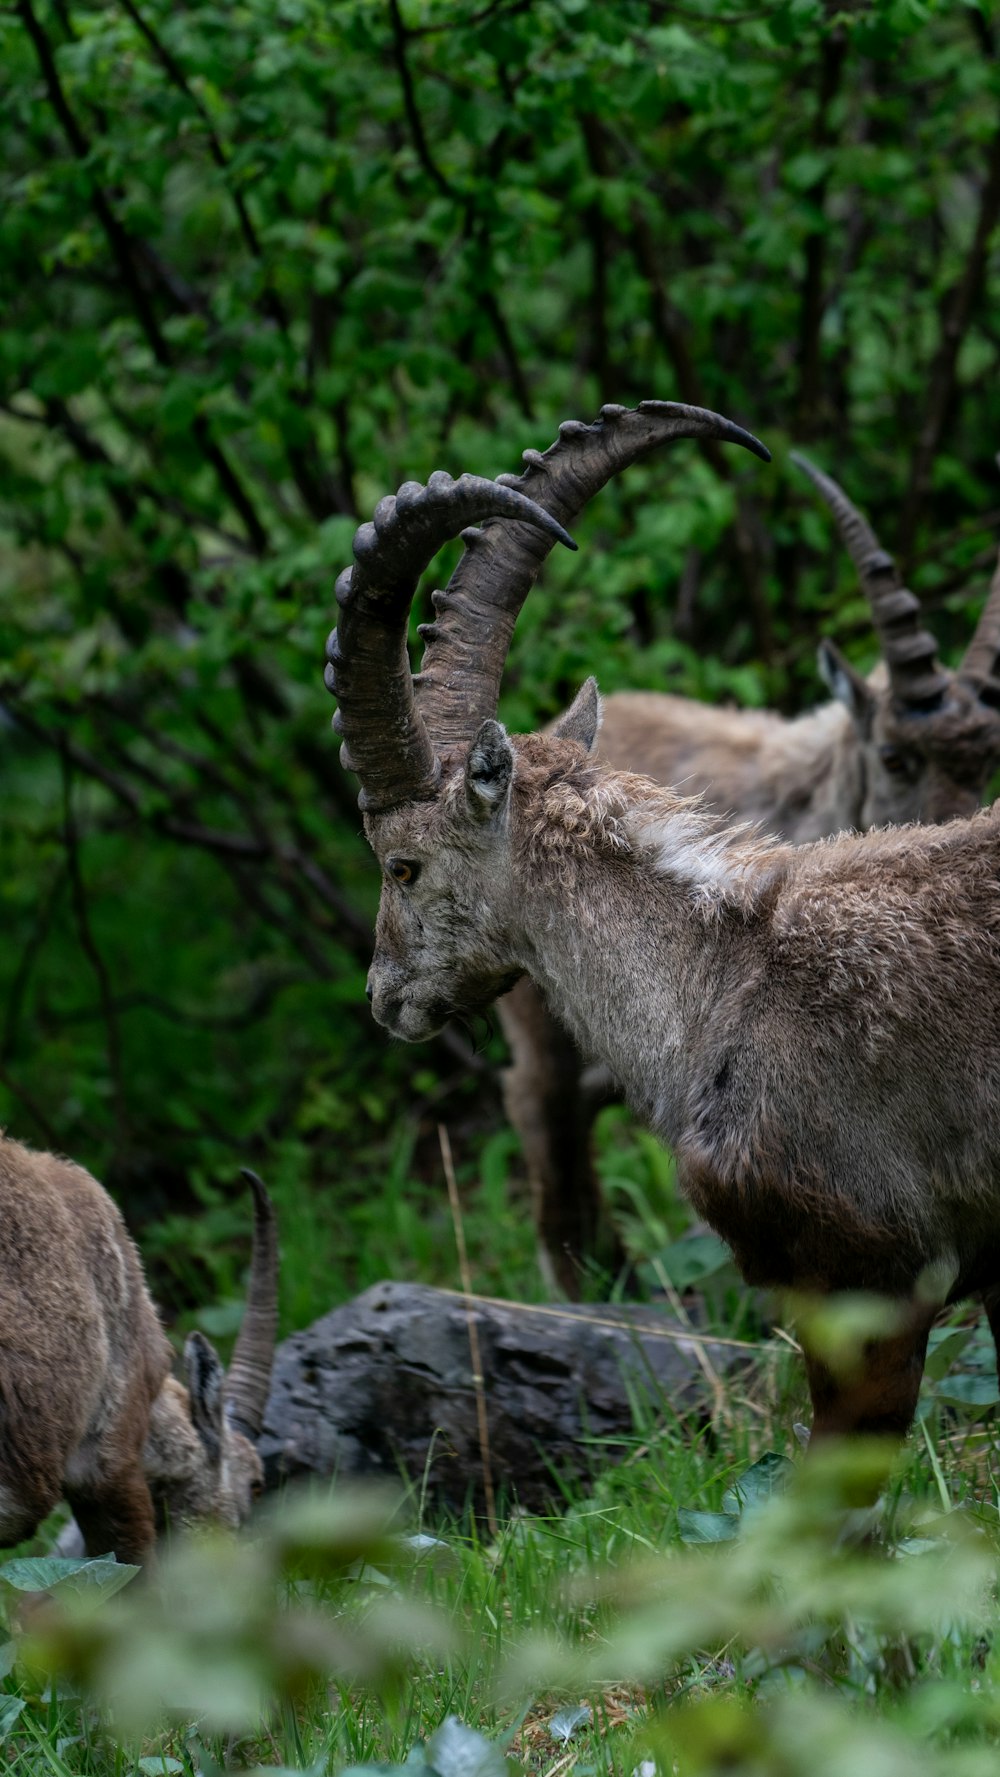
(981, 661)
(248, 1379)
(916, 677)
(385, 738)
(467, 644)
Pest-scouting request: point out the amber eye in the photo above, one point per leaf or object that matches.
(894, 762)
(403, 870)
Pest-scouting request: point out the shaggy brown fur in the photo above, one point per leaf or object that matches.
(805, 779)
(813, 1030)
(88, 1409)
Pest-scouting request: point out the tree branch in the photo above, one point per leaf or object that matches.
(956, 314)
(834, 53)
(26, 963)
(33, 1109)
(597, 234)
(413, 118)
(121, 245)
(90, 947)
(670, 330)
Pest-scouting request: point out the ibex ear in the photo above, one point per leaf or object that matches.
(583, 718)
(847, 685)
(489, 770)
(205, 1380)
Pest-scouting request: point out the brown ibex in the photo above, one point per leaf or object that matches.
(813, 1030)
(89, 1411)
(920, 744)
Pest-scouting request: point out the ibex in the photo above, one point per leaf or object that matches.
(917, 744)
(813, 1030)
(89, 1411)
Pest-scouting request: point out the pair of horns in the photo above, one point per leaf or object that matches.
(248, 1379)
(917, 679)
(396, 728)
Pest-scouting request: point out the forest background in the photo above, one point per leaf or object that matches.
(259, 264)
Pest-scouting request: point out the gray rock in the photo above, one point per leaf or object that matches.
(383, 1385)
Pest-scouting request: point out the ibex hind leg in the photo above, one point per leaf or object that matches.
(115, 1516)
(878, 1393)
(23, 1509)
(553, 1114)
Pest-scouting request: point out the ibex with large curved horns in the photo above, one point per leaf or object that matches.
(813, 1030)
(89, 1412)
(919, 742)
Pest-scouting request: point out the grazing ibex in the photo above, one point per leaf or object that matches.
(918, 745)
(813, 1030)
(89, 1412)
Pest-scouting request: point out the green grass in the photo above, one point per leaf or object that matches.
(587, 1590)
(813, 1645)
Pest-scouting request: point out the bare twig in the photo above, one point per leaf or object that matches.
(413, 117)
(33, 1109)
(121, 246)
(90, 946)
(956, 315)
(833, 55)
(597, 232)
(30, 953)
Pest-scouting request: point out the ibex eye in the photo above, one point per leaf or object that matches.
(894, 762)
(403, 870)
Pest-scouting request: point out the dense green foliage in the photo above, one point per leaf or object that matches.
(259, 264)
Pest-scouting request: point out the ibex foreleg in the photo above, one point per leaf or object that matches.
(877, 1392)
(115, 1514)
(553, 1113)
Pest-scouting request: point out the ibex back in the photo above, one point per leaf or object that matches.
(88, 1409)
(813, 1030)
(914, 743)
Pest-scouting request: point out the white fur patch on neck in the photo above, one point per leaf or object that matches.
(713, 860)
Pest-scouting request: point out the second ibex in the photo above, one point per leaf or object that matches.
(920, 744)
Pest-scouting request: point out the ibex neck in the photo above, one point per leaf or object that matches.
(816, 776)
(637, 924)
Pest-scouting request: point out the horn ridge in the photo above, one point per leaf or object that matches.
(982, 656)
(916, 678)
(368, 665)
(459, 679)
(248, 1380)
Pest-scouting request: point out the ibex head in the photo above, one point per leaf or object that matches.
(437, 770)
(200, 1457)
(930, 738)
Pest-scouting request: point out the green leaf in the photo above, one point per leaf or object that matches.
(690, 1261)
(769, 1475)
(10, 1709)
(943, 1347)
(970, 1390)
(564, 1724)
(100, 1577)
(456, 1750)
(706, 1527)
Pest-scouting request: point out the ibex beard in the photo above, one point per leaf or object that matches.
(814, 1031)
